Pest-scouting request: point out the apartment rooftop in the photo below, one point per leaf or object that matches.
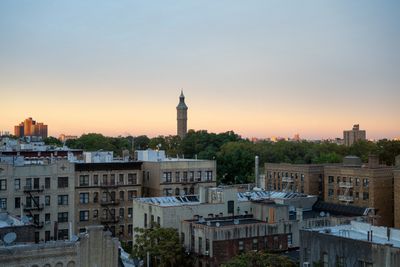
(363, 232)
(6, 220)
(241, 196)
(226, 221)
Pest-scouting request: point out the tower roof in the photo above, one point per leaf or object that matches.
(182, 104)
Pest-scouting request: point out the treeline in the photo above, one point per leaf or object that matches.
(235, 155)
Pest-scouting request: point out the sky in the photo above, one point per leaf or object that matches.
(259, 68)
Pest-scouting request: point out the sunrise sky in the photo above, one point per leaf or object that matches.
(260, 68)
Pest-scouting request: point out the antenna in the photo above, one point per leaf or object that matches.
(9, 238)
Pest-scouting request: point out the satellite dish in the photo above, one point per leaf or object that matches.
(9, 238)
(327, 214)
(218, 224)
(74, 238)
(202, 220)
(10, 221)
(25, 219)
(208, 223)
(236, 221)
(322, 214)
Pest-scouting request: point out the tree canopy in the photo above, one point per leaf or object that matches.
(162, 244)
(235, 155)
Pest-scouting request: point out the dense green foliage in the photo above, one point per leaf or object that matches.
(162, 244)
(259, 259)
(52, 141)
(235, 155)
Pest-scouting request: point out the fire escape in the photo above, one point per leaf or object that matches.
(107, 202)
(346, 194)
(287, 183)
(34, 205)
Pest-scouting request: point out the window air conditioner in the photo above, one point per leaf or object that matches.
(306, 264)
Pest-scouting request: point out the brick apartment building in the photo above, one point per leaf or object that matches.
(364, 185)
(44, 192)
(104, 193)
(301, 178)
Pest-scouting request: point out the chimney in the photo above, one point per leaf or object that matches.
(373, 161)
(257, 173)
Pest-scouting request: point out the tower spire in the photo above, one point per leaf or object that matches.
(181, 111)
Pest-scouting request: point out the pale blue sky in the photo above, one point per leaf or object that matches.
(260, 68)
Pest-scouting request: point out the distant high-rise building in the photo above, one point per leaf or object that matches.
(352, 136)
(29, 127)
(181, 110)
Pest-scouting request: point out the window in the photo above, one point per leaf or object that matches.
(47, 200)
(177, 191)
(3, 203)
(130, 229)
(177, 177)
(255, 244)
(112, 179)
(191, 176)
(325, 259)
(132, 178)
(365, 182)
(340, 261)
(63, 200)
(207, 245)
(95, 179)
(83, 215)
(121, 195)
(168, 192)
(121, 229)
(62, 182)
(47, 217)
(121, 212)
(121, 178)
(17, 184)
(105, 178)
(365, 195)
(47, 182)
(28, 182)
(95, 197)
(357, 181)
(62, 234)
(36, 183)
(3, 184)
(47, 237)
(132, 194)
(289, 239)
(145, 220)
(200, 245)
(167, 177)
(83, 180)
(17, 203)
(130, 211)
(28, 202)
(84, 198)
(199, 176)
(330, 192)
(241, 246)
(95, 214)
(185, 176)
(62, 217)
(209, 175)
(331, 179)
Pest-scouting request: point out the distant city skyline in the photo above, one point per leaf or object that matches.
(261, 69)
